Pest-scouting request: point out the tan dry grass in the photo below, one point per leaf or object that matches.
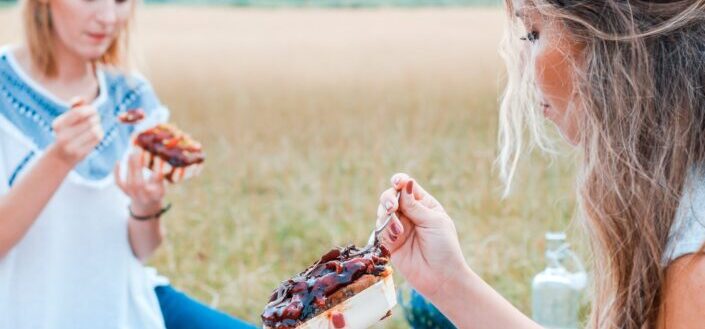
(305, 114)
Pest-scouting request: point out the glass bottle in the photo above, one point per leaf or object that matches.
(556, 291)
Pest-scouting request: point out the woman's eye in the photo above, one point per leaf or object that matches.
(531, 36)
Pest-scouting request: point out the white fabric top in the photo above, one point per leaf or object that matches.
(688, 229)
(74, 268)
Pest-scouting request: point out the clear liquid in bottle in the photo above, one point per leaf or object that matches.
(556, 292)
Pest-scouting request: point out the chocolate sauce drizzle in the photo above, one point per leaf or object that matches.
(305, 295)
(176, 149)
(131, 116)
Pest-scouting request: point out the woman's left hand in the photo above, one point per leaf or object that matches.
(146, 194)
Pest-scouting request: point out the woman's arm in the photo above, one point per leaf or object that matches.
(146, 199)
(469, 302)
(77, 132)
(25, 201)
(426, 251)
(145, 236)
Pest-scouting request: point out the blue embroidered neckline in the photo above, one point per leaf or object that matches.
(32, 113)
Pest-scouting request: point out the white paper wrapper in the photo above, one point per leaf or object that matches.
(360, 311)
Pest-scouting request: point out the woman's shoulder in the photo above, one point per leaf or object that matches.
(121, 80)
(683, 301)
(130, 89)
(8, 62)
(5, 49)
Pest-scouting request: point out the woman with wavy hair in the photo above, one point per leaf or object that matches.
(624, 82)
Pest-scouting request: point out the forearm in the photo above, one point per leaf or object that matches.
(21, 206)
(469, 302)
(145, 237)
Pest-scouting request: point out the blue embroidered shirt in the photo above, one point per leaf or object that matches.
(31, 109)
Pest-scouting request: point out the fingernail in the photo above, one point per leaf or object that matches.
(409, 187)
(396, 230)
(395, 180)
(388, 205)
(338, 320)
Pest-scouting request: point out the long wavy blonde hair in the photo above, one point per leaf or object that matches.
(39, 38)
(640, 104)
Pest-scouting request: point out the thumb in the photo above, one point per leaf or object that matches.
(414, 209)
(118, 178)
(77, 101)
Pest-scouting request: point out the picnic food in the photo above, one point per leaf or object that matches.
(355, 282)
(131, 116)
(167, 150)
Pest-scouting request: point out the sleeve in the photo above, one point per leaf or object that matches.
(7, 135)
(4, 182)
(16, 153)
(155, 111)
(687, 234)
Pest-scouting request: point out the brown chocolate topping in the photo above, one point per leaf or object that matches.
(171, 145)
(304, 296)
(131, 116)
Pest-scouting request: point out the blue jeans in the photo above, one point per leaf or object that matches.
(182, 312)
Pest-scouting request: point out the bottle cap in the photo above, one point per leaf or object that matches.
(555, 236)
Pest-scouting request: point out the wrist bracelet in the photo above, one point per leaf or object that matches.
(153, 216)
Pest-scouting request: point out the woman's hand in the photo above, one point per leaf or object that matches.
(425, 249)
(423, 240)
(77, 132)
(146, 194)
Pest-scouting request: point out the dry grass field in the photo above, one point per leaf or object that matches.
(305, 114)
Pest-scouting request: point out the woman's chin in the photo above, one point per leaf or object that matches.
(565, 127)
(569, 133)
(94, 52)
(567, 130)
(572, 140)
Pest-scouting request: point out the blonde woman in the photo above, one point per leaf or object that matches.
(624, 82)
(72, 233)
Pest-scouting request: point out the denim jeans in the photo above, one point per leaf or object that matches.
(182, 312)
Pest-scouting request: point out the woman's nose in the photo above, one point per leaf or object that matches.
(106, 15)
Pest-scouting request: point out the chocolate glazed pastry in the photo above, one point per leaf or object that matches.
(171, 152)
(337, 276)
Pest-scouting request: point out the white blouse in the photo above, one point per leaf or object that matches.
(74, 268)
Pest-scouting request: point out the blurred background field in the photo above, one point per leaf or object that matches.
(338, 3)
(306, 113)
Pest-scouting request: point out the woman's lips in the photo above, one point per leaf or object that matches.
(97, 37)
